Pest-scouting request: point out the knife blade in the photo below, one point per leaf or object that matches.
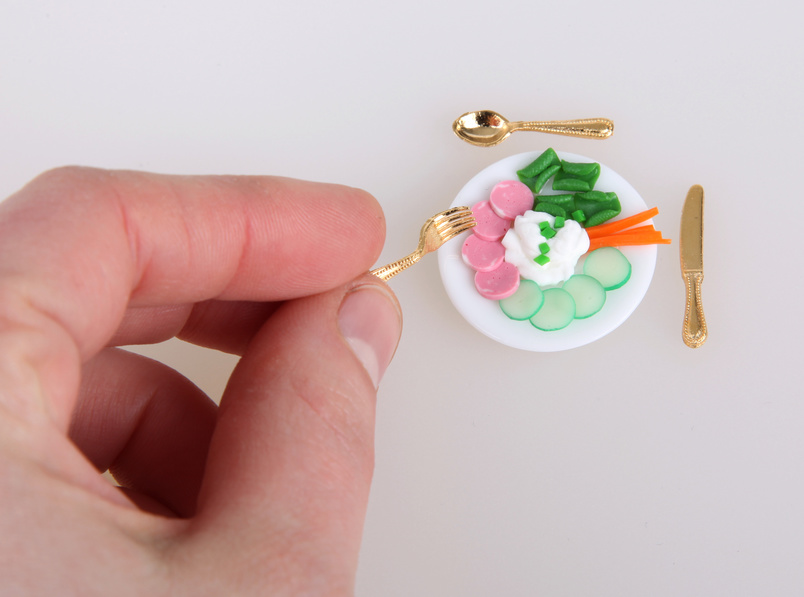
(694, 331)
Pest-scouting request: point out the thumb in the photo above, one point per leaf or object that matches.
(292, 457)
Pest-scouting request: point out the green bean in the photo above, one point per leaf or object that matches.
(590, 174)
(600, 217)
(546, 159)
(566, 201)
(581, 170)
(542, 179)
(595, 203)
(570, 184)
(550, 208)
(593, 196)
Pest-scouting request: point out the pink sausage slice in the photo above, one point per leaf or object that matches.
(499, 283)
(482, 255)
(490, 226)
(511, 198)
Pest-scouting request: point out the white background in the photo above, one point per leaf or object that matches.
(634, 466)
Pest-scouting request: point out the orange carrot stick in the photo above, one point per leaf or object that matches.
(612, 239)
(618, 225)
(636, 230)
(627, 240)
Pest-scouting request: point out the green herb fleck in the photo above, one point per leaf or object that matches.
(542, 260)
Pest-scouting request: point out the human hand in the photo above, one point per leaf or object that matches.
(266, 494)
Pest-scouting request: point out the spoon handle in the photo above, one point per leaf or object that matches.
(589, 128)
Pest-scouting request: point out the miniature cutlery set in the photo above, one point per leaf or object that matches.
(567, 200)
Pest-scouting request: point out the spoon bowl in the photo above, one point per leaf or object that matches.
(486, 128)
(482, 127)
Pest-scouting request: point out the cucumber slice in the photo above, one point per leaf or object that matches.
(608, 266)
(556, 313)
(525, 302)
(588, 293)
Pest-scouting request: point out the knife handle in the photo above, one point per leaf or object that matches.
(694, 332)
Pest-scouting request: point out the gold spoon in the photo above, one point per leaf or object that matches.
(487, 128)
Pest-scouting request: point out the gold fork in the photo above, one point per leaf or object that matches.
(435, 232)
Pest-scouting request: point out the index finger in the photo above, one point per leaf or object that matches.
(78, 245)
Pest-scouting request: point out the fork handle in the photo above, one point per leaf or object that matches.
(387, 272)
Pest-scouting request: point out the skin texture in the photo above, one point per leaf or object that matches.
(265, 494)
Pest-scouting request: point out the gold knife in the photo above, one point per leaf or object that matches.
(691, 248)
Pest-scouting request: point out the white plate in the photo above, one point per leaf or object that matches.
(486, 315)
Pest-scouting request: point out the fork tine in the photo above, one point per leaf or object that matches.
(453, 233)
(452, 215)
(460, 220)
(456, 230)
(466, 222)
(458, 212)
(453, 210)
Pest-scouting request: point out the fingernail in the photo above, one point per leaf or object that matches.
(371, 323)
